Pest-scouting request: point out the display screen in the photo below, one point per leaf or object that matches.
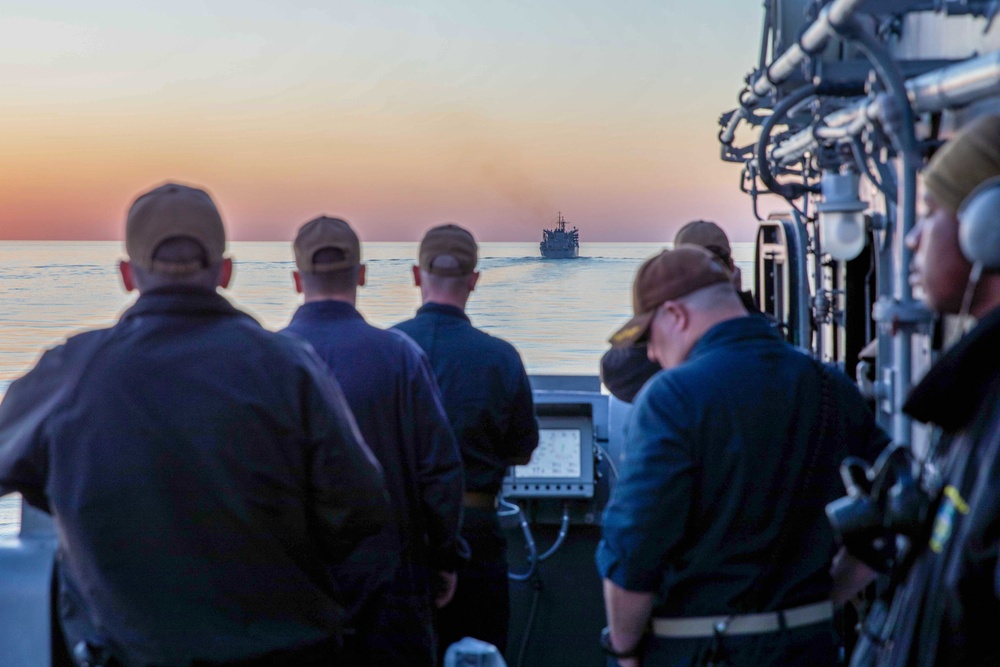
(557, 455)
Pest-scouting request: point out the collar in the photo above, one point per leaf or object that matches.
(181, 300)
(327, 309)
(952, 390)
(432, 308)
(730, 332)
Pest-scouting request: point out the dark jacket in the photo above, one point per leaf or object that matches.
(485, 391)
(201, 473)
(392, 392)
(714, 451)
(949, 606)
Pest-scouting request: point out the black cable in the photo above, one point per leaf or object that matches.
(535, 596)
(904, 138)
(788, 191)
(887, 190)
(872, 268)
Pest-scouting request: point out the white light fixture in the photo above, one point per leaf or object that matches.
(842, 219)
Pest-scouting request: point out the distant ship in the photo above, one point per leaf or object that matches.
(558, 243)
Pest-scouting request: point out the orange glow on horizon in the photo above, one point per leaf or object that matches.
(391, 177)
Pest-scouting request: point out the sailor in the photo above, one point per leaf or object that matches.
(392, 392)
(488, 400)
(715, 544)
(625, 369)
(948, 609)
(201, 472)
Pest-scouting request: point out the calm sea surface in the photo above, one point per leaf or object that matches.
(558, 313)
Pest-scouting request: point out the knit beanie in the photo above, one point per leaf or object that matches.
(968, 159)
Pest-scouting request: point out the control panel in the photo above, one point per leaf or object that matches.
(563, 464)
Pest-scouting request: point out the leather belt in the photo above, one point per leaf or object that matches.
(744, 624)
(480, 500)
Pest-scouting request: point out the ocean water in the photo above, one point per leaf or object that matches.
(558, 313)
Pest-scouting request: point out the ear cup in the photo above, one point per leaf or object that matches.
(979, 225)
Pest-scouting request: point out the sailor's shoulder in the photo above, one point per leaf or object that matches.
(408, 327)
(289, 347)
(83, 339)
(494, 344)
(401, 342)
(80, 345)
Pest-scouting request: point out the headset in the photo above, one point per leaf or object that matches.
(979, 235)
(979, 225)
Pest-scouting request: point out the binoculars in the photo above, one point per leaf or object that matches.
(883, 500)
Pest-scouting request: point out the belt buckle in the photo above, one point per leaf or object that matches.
(715, 655)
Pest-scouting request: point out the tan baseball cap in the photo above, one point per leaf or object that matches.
(705, 234)
(322, 233)
(453, 241)
(171, 211)
(966, 160)
(670, 275)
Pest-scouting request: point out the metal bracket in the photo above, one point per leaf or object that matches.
(865, 386)
(894, 316)
(886, 390)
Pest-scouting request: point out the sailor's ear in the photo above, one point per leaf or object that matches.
(128, 280)
(416, 275)
(226, 272)
(297, 277)
(473, 279)
(361, 276)
(681, 313)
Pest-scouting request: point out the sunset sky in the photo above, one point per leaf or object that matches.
(395, 115)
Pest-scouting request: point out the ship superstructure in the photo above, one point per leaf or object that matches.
(560, 243)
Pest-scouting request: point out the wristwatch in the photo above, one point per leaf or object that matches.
(608, 649)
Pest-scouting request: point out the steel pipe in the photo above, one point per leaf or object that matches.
(956, 85)
(948, 87)
(814, 39)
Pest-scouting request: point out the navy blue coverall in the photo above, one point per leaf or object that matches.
(392, 392)
(202, 473)
(714, 453)
(488, 400)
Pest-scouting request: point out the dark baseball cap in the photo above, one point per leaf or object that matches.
(665, 277)
(322, 233)
(968, 159)
(453, 241)
(171, 211)
(705, 234)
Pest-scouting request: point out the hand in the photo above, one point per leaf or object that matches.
(444, 588)
(627, 662)
(850, 577)
(611, 645)
(628, 620)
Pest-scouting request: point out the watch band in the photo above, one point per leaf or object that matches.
(608, 649)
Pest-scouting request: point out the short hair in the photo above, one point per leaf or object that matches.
(446, 262)
(330, 282)
(177, 251)
(712, 297)
(180, 250)
(446, 284)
